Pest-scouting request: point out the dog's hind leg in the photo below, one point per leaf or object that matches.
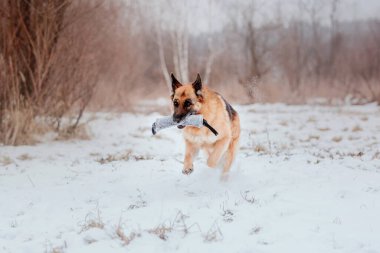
(190, 153)
(229, 157)
(219, 149)
(232, 148)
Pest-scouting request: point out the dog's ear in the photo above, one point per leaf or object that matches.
(197, 85)
(175, 83)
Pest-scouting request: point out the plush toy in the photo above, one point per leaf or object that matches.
(190, 120)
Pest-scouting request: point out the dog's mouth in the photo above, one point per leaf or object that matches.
(178, 118)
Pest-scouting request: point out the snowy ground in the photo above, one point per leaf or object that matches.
(307, 179)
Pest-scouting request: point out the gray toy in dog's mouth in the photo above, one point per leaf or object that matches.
(190, 120)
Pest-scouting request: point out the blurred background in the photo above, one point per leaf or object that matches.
(59, 58)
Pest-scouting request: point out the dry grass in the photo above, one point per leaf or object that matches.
(123, 237)
(57, 249)
(227, 214)
(337, 139)
(364, 118)
(283, 123)
(24, 157)
(177, 224)
(140, 202)
(95, 222)
(118, 157)
(17, 126)
(6, 160)
(357, 128)
(255, 230)
(311, 119)
(80, 132)
(376, 156)
(96, 154)
(259, 148)
(126, 156)
(161, 231)
(311, 138)
(214, 234)
(358, 154)
(247, 196)
(354, 138)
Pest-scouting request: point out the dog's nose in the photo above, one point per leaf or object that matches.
(177, 118)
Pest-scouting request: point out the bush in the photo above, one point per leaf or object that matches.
(53, 54)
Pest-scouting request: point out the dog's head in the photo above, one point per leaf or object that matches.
(186, 98)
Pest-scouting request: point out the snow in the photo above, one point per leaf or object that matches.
(307, 179)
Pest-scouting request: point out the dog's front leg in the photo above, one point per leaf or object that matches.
(190, 153)
(219, 149)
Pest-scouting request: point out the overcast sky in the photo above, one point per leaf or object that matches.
(351, 9)
(220, 11)
(367, 8)
(211, 15)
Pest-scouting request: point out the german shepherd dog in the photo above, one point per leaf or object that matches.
(194, 98)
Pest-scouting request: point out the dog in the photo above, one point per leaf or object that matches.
(195, 98)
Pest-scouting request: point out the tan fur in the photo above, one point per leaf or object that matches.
(213, 108)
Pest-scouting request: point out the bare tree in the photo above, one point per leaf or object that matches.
(177, 35)
(366, 63)
(316, 62)
(336, 39)
(161, 53)
(256, 42)
(212, 52)
(291, 51)
(50, 61)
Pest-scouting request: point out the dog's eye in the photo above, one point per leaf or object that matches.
(175, 103)
(187, 103)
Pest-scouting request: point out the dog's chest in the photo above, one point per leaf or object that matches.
(198, 136)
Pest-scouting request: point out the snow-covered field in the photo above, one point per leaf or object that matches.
(307, 179)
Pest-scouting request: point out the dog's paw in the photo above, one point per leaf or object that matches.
(187, 171)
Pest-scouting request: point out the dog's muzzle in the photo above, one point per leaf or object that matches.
(178, 118)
